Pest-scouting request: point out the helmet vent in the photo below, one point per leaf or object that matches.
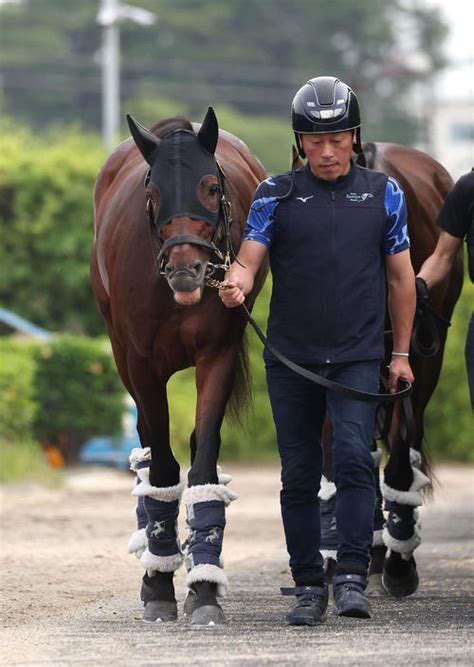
(325, 90)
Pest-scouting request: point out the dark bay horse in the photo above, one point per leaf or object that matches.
(169, 205)
(425, 184)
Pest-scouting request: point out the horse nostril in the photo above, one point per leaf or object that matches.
(196, 266)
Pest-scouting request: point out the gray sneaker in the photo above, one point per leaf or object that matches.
(310, 605)
(349, 596)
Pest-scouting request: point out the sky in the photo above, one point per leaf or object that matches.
(458, 79)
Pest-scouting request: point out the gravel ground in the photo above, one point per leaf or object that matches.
(70, 590)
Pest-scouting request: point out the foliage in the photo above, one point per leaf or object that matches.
(46, 226)
(78, 391)
(58, 393)
(23, 460)
(18, 407)
(449, 420)
(269, 138)
(250, 54)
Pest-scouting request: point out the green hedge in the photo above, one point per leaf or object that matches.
(59, 393)
(18, 406)
(449, 420)
(46, 227)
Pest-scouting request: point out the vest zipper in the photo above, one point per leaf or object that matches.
(333, 232)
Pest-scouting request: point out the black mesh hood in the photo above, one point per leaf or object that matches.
(180, 164)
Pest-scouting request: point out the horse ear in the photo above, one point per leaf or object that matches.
(209, 132)
(146, 142)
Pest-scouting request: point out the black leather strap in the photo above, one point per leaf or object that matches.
(179, 240)
(304, 590)
(428, 326)
(349, 579)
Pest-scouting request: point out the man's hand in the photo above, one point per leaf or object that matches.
(231, 294)
(399, 369)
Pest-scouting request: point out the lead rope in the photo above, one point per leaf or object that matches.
(404, 391)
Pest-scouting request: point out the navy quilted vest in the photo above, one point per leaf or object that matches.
(327, 261)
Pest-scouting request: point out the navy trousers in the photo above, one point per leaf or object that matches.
(299, 408)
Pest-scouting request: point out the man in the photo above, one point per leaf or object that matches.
(332, 230)
(456, 219)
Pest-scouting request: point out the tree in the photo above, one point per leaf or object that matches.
(249, 54)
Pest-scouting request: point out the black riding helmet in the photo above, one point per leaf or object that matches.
(325, 104)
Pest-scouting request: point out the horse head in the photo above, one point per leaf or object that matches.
(183, 194)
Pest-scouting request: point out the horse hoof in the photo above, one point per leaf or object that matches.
(401, 587)
(208, 615)
(375, 587)
(189, 603)
(160, 611)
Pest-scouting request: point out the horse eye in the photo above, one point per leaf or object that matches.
(213, 190)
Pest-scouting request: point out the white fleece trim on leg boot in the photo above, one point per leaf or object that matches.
(403, 547)
(223, 477)
(412, 496)
(377, 540)
(328, 553)
(153, 563)
(206, 492)
(415, 458)
(166, 493)
(138, 542)
(327, 490)
(138, 455)
(210, 573)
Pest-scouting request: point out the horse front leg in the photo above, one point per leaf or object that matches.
(207, 495)
(401, 489)
(158, 491)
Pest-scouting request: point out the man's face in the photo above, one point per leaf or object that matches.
(329, 154)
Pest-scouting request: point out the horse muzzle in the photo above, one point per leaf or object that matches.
(186, 282)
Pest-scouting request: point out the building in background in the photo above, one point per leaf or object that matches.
(452, 135)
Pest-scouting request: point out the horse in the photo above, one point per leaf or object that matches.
(393, 570)
(170, 207)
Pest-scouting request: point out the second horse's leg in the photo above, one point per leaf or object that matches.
(401, 489)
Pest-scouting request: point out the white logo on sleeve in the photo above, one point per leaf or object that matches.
(304, 199)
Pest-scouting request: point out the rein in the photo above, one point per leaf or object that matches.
(426, 334)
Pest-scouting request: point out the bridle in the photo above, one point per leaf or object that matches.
(220, 245)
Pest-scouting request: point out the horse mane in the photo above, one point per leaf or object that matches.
(164, 127)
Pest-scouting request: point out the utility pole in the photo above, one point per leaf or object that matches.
(111, 13)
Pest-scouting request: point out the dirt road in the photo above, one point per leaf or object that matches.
(70, 590)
